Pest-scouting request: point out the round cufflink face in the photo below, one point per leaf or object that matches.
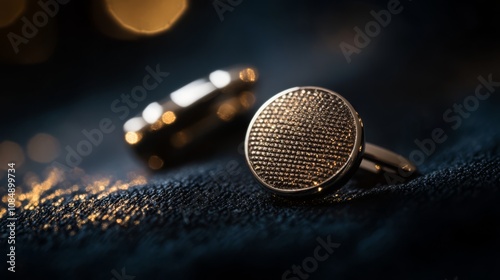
(304, 141)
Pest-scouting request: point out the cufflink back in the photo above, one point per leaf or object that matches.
(309, 140)
(185, 125)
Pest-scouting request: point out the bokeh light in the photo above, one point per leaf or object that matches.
(135, 18)
(168, 117)
(227, 111)
(155, 162)
(11, 152)
(10, 11)
(43, 148)
(248, 75)
(133, 137)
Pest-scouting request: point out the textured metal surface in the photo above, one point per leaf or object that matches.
(301, 139)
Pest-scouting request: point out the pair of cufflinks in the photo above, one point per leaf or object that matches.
(304, 141)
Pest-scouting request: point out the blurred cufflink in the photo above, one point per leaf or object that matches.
(309, 140)
(187, 124)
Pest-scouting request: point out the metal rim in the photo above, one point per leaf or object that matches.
(336, 180)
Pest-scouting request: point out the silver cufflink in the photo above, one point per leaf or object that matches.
(309, 140)
(180, 128)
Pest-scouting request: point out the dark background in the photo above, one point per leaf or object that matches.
(427, 59)
(443, 224)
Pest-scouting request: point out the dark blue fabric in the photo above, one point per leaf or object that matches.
(212, 221)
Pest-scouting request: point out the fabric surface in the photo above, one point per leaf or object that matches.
(211, 220)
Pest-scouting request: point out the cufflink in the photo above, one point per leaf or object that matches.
(309, 140)
(178, 129)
